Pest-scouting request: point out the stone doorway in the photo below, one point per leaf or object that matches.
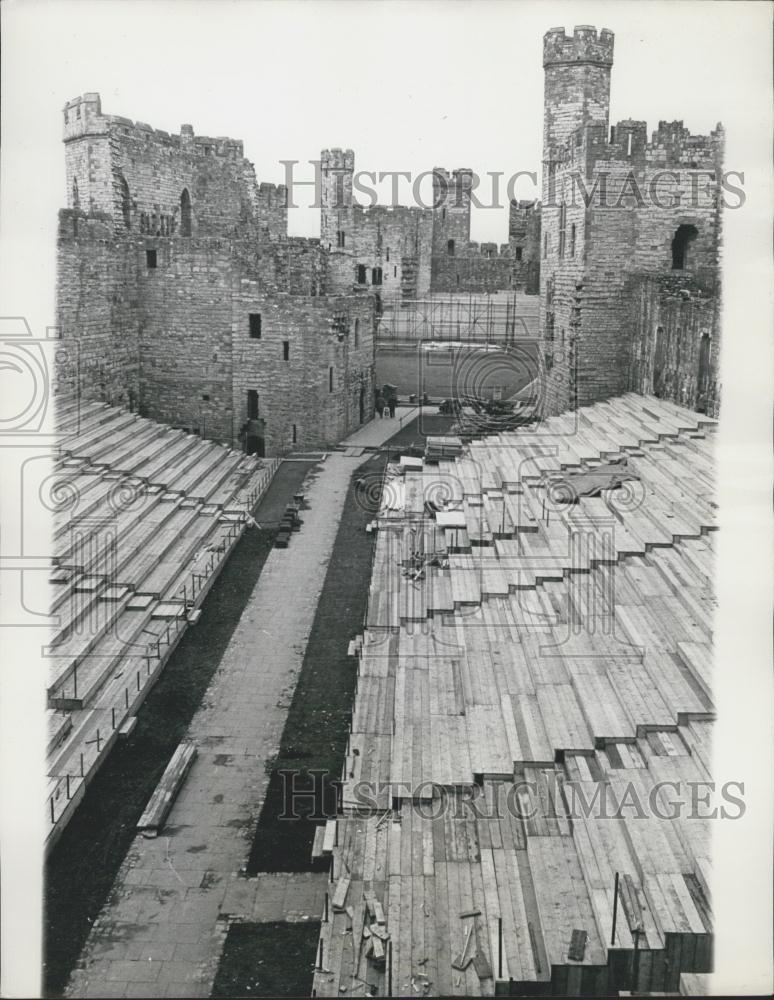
(255, 445)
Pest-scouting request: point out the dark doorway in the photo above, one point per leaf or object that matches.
(684, 236)
(255, 445)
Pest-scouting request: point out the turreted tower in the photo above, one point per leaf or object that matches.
(337, 223)
(451, 209)
(91, 180)
(577, 88)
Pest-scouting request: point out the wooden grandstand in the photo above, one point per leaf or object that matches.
(145, 518)
(523, 657)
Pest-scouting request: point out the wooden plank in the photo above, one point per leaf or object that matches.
(160, 804)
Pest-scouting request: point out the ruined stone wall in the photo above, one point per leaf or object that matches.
(145, 178)
(675, 351)
(322, 334)
(98, 309)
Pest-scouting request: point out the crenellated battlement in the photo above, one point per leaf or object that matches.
(83, 116)
(585, 45)
(672, 145)
(337, 159)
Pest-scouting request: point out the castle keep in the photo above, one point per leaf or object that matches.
(192, 304)
(630, 229)
(189, 300)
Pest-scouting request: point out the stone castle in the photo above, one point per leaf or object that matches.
(629, 273)
(190, 303)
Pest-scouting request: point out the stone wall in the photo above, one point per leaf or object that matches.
(155, 183)
(407, 253)
(163, 325)
(396, 242)
(675, 351)
(98, 303)
(186, 365)
(314, 359)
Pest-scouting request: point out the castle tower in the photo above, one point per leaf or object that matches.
(337, 222)
(576, 91)
(91, 182)
(451, 210)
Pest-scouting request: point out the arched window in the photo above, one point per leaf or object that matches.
(450, 248)
(684, 236)
(185, 213)
(126, 203)
(76, 197)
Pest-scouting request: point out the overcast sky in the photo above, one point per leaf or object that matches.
(407, 86)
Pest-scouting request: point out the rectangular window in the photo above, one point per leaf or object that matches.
(572, 240)
(376, 276)
(330, 379)
(395, 271)
(286, 350)
(252, 404)
(518, 253)
(150, 259)
(255, 326)
(295, 435)
(562, 228)
(340, 237)
(361, 274)
(388, 255)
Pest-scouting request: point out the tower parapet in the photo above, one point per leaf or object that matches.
(585, 45)
(83, 116)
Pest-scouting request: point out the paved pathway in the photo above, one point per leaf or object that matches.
(162, 929)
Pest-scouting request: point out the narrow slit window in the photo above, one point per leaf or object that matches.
(340, 238)
(295, 434)
(330, 379)
(286, 350)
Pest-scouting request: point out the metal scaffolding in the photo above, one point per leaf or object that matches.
(474, 318)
